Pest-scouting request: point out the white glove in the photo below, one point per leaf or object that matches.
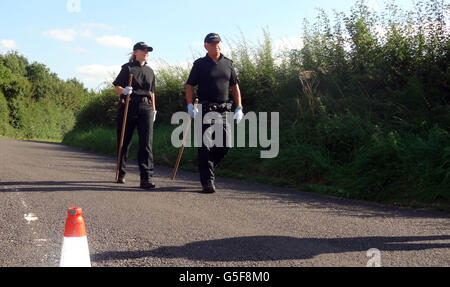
(154, 116)
(127, 91)
(193, 113)
(238, 115)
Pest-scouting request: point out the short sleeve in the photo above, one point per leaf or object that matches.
(194, 76)
(122, 78)
(233, 79)
(153, 84)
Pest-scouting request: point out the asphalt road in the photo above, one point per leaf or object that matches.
(241, 225)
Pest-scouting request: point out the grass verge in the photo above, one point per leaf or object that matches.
(299, 168)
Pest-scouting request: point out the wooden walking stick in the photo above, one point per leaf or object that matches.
(124, 124)
(184, 142)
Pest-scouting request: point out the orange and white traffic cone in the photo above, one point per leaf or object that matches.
(75, 250)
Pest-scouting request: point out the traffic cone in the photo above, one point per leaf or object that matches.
(75, 250)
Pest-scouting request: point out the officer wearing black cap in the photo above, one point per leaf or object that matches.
(141, 112)
(214, 75)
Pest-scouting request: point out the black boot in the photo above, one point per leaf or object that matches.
(121, 180)
(209, 187)
(147, 185)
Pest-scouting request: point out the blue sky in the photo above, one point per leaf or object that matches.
(91, 39)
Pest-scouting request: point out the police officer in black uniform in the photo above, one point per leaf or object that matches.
(214, 75)
(141, 112)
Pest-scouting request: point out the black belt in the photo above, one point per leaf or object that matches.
(219, 107)
(136, 98)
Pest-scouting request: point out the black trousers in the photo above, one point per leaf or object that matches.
(210, 156)
(140, 116)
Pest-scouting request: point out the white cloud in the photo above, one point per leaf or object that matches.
(96, 75)
(66, 35)
(87, 31)
(115, 41)
(8, 44)
(287, 43)
(101, 70)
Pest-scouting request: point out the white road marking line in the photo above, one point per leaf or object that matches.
(30, 217)
(38, 242)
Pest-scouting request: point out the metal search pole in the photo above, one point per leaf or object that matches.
(124, 124)
(180, 154)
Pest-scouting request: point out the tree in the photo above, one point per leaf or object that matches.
(15, 62)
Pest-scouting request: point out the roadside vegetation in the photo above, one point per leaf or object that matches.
(35, 103)
(364, 107)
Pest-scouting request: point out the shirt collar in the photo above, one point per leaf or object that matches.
(220, 58)
(136, 63)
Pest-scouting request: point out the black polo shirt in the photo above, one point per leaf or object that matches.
(143, 78)
(213, 79)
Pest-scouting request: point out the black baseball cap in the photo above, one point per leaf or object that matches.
(212, 37)
(142, 46)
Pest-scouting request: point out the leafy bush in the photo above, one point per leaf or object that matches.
(35, 103)
(4, 116)
(101, 110)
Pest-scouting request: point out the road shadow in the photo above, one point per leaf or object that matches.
(61, 186)
(321, 203)
(274, 248)
(75, 160)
